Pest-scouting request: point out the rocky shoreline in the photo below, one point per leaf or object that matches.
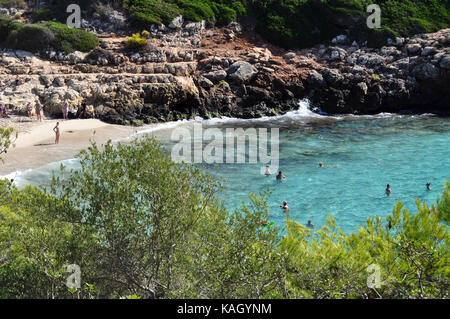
(191, 69)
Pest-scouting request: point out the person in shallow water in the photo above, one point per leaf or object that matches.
(429, 186)
(285, 207)
(280, 176)
(268, 172)
(388, 190)
(310, 224)
(320, 165)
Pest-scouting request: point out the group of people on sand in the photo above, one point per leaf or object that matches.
(64, 110)
(37, 110)
(285, 206)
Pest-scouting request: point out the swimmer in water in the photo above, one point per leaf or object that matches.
(268, 172)
(323, 166)
(388, 190)
(310, 224)
(285, 207)
(429, 186)
(280, 176)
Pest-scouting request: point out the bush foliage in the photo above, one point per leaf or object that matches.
(45, 35)
(136, 42)
(288, 23)
(301, 23)
(141, 226)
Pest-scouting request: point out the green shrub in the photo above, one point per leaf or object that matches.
(195, 10)
(32, 38)
(71, 39)
(7, 138)
(7, 26)
(13, 4)
(224, 14)
(45, 35)
(239, 8)
(144, 13)
(43, 14)
(136, 42)
(444, 204)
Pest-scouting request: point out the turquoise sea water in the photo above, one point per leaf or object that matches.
(361, 155)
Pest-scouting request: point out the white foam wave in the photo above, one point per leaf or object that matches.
(162, 126)
(304, 112)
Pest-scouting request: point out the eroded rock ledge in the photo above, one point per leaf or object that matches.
(192, 71)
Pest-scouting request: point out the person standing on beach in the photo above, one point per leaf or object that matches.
(56, 130)
(64, 109)
(37, 107)
(81, 110)
(30, 110)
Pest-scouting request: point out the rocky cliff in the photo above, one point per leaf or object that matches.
(189, 70)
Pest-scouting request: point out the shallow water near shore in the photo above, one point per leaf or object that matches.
(361, 155)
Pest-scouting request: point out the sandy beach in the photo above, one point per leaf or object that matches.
(35, 145)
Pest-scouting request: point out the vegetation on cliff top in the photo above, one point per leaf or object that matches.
(45, 36)
(301, 23)
(288, 23)
(307, 22)
(138, 224)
